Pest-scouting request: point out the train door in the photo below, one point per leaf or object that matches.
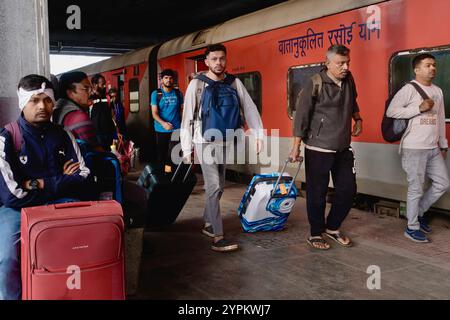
(119, 84)
(194, 65)
(200, 65)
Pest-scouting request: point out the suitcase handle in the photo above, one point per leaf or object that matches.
(178, 169)
(72, 205)
(281, 174)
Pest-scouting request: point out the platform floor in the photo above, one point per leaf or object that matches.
(178, 263)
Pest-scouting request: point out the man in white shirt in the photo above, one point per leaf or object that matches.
(212, 155)
(423, 146)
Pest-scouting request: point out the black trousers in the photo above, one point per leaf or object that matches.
(318, 166)
(164, 147)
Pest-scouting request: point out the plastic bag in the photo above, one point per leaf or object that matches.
(124, 150)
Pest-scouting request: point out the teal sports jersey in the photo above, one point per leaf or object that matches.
(169, 109)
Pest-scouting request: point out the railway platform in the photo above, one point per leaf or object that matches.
(178, 264)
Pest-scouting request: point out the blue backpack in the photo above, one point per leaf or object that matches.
(220, 108)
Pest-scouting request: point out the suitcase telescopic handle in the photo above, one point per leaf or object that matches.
(72, 205)
(281, 174)
(178, 170)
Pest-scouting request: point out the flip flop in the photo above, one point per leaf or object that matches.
(313, 241)
(339, 238)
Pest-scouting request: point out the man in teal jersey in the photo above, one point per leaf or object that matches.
(167, 103)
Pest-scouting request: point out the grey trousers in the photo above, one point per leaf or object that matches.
(212, 161)
(418, 165)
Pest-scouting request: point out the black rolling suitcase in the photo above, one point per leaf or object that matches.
(166, 193)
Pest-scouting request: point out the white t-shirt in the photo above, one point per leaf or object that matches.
(425, 130)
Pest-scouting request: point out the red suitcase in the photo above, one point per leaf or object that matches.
(73, 251)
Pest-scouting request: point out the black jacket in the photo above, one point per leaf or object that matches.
(101, 116)
(326, 121)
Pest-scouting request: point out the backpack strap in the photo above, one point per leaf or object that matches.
(16, 135)
(422, 93)
(317, 85)
(229, 79)
(204, 78)
(159, 95)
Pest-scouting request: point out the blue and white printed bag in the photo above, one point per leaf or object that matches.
(268, 201)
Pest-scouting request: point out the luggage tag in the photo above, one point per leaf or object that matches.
(283, 189)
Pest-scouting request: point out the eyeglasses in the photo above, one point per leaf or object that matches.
(86, 88)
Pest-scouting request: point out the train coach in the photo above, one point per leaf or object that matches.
(273, 51)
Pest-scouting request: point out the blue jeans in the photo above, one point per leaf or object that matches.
(10, 277)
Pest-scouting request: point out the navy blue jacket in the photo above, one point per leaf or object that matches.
(43, 153)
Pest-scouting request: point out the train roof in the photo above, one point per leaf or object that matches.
(130, 58)
(270, 18)
(281, 15)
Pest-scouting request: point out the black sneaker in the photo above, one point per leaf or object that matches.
(224, 246)
(208, 231)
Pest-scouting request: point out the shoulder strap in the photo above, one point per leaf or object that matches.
(204, 78)
(64, 111)
(14, 130)
(198, 96)
(178, 94)
(229, 79)
(422, 93)
(159, 95)
(317, 85)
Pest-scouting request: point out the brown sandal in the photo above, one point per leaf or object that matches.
(315, 243)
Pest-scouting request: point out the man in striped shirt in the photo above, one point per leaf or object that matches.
(72, 110)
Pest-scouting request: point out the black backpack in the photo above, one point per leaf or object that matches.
(394, 128)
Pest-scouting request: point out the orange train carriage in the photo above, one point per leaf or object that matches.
(275, 49)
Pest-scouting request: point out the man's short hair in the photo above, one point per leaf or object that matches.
(337, 49)
(96, 78)
(68, 80)
(215, 47)
(33, 82)
(418, 59)
(168, 72)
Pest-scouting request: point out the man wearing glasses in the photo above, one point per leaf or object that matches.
(72, 110)
(323, 121)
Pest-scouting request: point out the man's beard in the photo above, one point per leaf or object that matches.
(219, 74)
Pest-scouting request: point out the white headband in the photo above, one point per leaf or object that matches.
(25, 96)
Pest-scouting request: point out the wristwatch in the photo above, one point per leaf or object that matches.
(34, 184)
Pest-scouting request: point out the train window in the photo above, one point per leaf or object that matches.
(401, 72)
(252, 82)
(297, 77)
(133, 86)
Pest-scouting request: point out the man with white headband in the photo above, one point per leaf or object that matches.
(40, 163)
